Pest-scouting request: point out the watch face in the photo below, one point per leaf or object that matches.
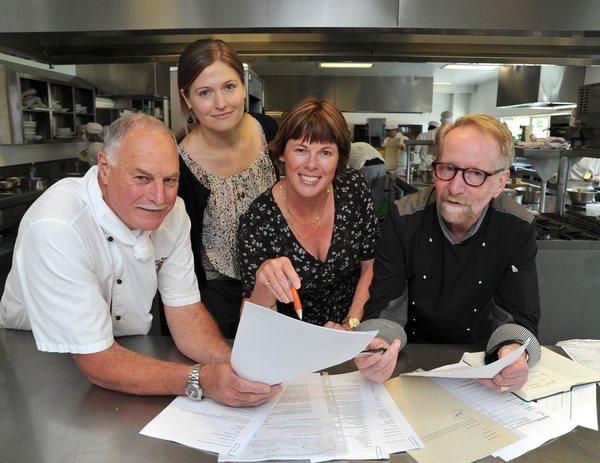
(193, 392)
(353, 322)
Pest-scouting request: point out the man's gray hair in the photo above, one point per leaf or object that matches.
(119, 128)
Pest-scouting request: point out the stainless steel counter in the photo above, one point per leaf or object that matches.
(50, 412)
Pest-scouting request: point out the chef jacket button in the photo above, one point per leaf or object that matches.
(479, 282)
(119, 281)
(118, 317)
(468, 329)
(424, 277)
(483, 245)
(474, 310)
(110, 238)
(413, 332)
(413, 302)
(414, 319)
(431, 240)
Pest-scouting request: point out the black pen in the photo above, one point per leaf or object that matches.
(366, 353)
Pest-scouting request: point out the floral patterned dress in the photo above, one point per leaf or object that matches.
(327, 287)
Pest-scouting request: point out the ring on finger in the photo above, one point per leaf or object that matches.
(267, 283)
(504, 388)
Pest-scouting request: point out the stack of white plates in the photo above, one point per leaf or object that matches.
(56, 106)
(80, 108)
(64, 132)
(30, 128)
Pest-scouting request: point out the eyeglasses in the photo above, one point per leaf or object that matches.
(471, 176)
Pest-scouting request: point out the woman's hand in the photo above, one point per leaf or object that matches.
(273, 281)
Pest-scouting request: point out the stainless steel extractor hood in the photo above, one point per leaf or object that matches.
(541, 86)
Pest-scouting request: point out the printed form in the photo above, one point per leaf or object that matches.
(315, 413)
(534, 423)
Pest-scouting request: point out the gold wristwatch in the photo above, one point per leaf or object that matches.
(352, 322)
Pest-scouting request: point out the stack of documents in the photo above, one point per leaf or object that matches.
(321, 418)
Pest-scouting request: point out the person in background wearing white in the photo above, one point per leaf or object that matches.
(584, 174)
(94, 137)
(421, 150)
(89, 257)
(371, 164)
(391, 131)
(425, 153)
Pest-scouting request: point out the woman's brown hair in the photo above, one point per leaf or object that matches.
(196, 58)
(312, 121)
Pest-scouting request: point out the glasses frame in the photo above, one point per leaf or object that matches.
(457, 169)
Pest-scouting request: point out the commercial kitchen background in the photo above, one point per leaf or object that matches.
(134, 44)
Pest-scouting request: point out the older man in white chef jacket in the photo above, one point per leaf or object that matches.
(91, 253)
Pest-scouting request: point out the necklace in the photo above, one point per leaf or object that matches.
(238, 154)
(319, 217)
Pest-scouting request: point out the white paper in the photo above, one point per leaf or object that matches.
(207, 425)
(297, 428)
(358, 417)
(578, 405)
(462, 370)
(271, 348)
(397, 431)
(583, 351)
(534, 423)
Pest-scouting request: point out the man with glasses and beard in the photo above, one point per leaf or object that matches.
(455, 263)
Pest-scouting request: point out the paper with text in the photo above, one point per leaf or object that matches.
(533, 423)
(271, 348)
(355, 405)
(452, 431)
(298, 427)
(207, 425)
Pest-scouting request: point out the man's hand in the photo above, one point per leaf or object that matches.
(379, 367)
(220, 383)
(513, 377)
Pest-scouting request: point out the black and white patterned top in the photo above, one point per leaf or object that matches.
(229, 198)
(327, 287)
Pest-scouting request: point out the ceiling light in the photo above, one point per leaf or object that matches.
(442, 83)
(345, 65)
(472, 67)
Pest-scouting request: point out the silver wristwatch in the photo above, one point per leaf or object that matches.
(193, 389)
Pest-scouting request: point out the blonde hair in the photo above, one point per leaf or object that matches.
(488, 125)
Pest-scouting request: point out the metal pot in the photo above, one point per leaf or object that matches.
(581, 195)
(20, 180)
(531, 194)
(516, 195)
(7, 184)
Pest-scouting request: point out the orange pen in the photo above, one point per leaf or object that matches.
(297, 304)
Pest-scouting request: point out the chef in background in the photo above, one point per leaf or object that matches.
(94, 137)
(391, 131)
(371, 164)
(422, 150)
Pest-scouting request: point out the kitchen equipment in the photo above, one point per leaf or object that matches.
(530, 194)
(581, 195)
(19, 180)
(514, 194)
(7, 184)
(39, 184)
(592, 209)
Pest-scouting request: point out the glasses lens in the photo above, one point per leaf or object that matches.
(444, 171)
(474, 177)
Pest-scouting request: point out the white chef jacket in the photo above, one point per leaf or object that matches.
(576, 175)
(75, 279)
(401, 153)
